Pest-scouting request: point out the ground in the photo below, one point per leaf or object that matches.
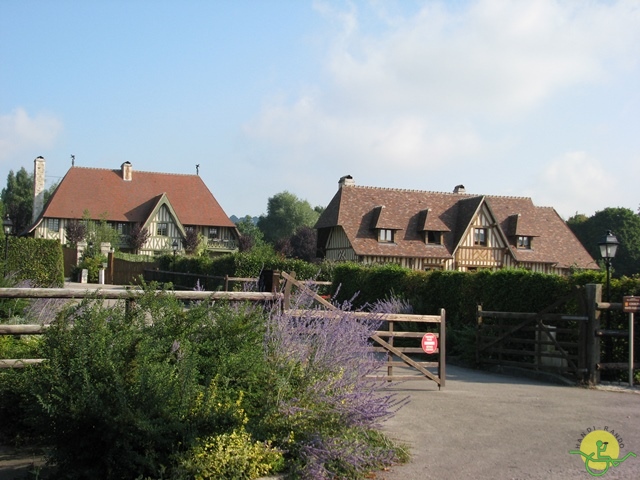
(487, 426)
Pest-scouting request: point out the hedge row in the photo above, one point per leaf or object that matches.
(35, 259)
(245, 265)
(459, 293)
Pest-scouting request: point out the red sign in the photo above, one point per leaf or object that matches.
(429, 343)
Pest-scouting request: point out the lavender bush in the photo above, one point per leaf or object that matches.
(321, 396)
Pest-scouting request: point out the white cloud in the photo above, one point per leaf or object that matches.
(576, 179)
(20, 132)
(459, 85)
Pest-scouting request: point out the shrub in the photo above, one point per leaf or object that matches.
(211, 391)
(234, 455)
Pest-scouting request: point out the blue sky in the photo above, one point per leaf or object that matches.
(538, 98)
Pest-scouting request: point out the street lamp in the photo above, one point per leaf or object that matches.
(7, 226)
(608, 248)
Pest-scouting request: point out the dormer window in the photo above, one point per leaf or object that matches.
(524, 242)
(433, 237)
(385, 235)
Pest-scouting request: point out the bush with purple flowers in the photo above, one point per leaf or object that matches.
(157, 390)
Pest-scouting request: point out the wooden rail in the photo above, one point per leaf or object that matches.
(128, 294)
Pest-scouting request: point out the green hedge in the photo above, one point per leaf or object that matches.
(245, 265)
(35, 259)
(459, 293)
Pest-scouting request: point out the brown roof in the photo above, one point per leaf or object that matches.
(103, 191)
(354, 208)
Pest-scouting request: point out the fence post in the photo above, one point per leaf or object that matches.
(479, 321)
(592, 346)
(287, 288)
(442, 354)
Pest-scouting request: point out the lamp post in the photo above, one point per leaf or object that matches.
(7, 226)
(608, 248)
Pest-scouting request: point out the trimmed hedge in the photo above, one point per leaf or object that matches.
(459, 293)
(36, 259)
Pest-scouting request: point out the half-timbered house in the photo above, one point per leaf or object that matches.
(167, 205)
(425, 230)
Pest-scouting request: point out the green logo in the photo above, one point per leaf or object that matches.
(600, 450)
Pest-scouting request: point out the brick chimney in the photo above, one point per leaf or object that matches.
(127, 171)
(346, 181)
(38, 187)
(459, 189)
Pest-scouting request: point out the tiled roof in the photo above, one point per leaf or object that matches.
(103, 191)
(354, 208)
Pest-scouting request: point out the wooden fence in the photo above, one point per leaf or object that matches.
(551, 342)
(396, 355)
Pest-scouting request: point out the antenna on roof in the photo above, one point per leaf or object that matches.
(198, 169)
(73, 160)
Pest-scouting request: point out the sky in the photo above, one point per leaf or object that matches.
(535, 98)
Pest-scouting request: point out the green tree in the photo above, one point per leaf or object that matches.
(17, 198)
(624, 223)
(250, 234)
(285, 214)
(99, 231)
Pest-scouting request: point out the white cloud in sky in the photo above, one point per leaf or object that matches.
(20, 132)
(419, 92)
(575, 179)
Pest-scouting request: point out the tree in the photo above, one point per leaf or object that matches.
(99, 231)
(250, 234)
(17, 198)
(285, 214)
(138, 236)
(303, 244)
(75, 231)
(624, 223)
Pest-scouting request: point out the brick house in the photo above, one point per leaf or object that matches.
(168, 205)
(446, 231)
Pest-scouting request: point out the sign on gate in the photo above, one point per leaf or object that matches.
(430, 343)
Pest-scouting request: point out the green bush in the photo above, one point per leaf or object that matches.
(157, 390)
(35, 259)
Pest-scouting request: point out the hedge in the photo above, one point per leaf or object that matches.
(35, 259)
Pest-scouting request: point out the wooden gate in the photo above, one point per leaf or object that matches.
(397, 356)
(542, 341)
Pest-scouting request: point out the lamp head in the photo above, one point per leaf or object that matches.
(608, 246)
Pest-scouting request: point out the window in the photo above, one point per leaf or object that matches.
(213, 233)
(480, 237)
(524, 242)
(162, 229)
(53, 224)
(434, 237)
(385, 235)
(122, 228)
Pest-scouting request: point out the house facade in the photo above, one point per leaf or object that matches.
(167, 205)
(446, 231)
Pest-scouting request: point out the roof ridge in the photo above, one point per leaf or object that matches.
(136, 171)
(413, 190)
(468, 195)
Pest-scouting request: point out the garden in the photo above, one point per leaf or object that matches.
(205, 390)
